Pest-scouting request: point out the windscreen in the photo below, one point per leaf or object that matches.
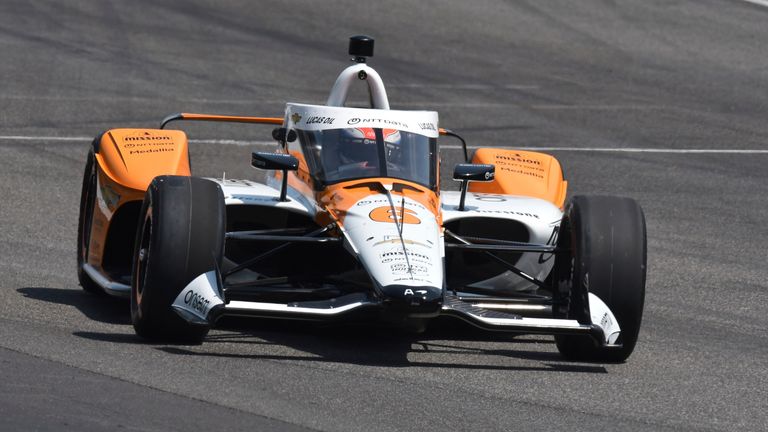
(341, 143)
(336, 155)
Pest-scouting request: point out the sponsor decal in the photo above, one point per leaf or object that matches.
(411, 278)
(197, 302)
(199, 296)
(378, 121)
(147, 137)
(402, 268)
(387, 214)
(253, 198)
(490, 198)
(604, 318)
(409, 291)
(368, 201)
(152, 150)
(509, 212)
(146, 142)
(318, 117)
(606, 321)
(518, 164)
(319, 120)
(397, 240)
(488, 175)
(522, 171)
(386, 201)
(399, 268)
(427, 126)
(398, 255)
(516, 158)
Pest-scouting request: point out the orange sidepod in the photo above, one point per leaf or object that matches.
(133, 157)
(524, 173)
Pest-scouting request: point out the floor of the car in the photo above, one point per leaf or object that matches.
(119, 275)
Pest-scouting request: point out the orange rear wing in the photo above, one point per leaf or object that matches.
(220, 118)
(524, 173)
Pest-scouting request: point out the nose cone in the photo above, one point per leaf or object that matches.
(413, 300)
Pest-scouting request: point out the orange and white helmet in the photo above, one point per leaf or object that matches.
(359, 144)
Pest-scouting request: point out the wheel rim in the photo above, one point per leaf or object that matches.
(142, 255)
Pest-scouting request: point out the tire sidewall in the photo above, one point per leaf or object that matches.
(85, 222)
(182, 223)
(607, 239)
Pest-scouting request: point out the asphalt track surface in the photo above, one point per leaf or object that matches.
(653, 75)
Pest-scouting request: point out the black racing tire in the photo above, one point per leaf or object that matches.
(607, 239)
(180, 236)
(85, 220)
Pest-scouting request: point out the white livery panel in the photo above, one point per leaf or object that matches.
(397, 240)
(540, 217)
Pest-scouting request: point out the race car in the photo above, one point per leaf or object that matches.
(352, 225)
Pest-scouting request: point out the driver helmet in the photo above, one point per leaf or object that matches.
(359, 144)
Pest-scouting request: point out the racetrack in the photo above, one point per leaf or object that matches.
(678, 86)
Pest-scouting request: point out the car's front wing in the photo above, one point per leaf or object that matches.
(200, 303)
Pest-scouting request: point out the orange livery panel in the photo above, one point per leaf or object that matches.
(133, 157)
(524, 173)
(127, 161)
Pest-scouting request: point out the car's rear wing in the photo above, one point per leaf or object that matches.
(269, 120)
(220, 118)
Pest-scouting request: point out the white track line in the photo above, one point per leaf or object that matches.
(42, 138)
(239, 143)
(245, 143)
(758, 2)
(640, 150)
(87, 139)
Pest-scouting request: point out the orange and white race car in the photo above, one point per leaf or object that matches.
(351, 224)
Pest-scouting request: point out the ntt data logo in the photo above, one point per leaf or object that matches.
(378, 121)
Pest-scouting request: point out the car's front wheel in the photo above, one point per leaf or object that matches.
(85, 220)
(607, 242)
(180, 236)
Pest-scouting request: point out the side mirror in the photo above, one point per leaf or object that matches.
(466, 173)
(279, 134)
(276, 161)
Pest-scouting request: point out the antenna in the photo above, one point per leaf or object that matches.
(360, 47)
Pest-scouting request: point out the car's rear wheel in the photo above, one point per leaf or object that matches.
(180, 237)
(607, 239)
(85, 220)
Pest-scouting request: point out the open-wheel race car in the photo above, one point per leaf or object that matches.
(351, 224)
